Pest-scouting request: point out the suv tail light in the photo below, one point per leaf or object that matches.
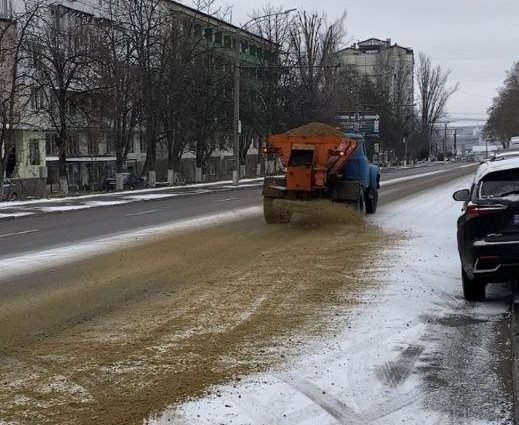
(474, 210)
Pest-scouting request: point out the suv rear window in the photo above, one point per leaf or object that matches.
(499, 184)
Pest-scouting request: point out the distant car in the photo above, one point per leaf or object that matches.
(9, 191)
(488, 229)
(130, 181)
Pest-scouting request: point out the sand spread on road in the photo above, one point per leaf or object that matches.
(114, 339)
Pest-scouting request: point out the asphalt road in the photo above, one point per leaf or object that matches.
(35, 233)
(413, 351)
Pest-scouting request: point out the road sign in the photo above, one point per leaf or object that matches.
(364, 123)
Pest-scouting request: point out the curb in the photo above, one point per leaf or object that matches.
(515, 350)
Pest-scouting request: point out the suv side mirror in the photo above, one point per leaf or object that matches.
(461, 195)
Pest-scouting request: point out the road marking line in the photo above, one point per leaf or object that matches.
(226, 200)
(144, 212)
(19, 233)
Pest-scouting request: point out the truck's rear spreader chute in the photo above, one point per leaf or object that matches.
(314, 157)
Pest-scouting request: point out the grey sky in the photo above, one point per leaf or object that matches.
(477, 39)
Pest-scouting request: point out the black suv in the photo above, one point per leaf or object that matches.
(488, 230)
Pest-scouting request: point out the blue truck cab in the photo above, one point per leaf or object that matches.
(359, 169)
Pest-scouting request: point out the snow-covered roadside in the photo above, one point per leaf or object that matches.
(414, 352)
(18, 209)
(243, 183)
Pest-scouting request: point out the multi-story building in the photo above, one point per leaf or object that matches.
(91, 155)
(380, 59)
(26, 157)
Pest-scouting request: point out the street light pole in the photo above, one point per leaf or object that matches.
(237, 76)
(405, 151)
(445, 141)
(236, 114)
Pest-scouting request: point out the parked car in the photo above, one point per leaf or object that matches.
(505, 155)
(9, 191)
(130, 181)
(488, 229)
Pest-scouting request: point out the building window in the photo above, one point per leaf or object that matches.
(6, 8)
(93, 145)
(208, 34)
(73, 145)
(51, 146)
(34, 152)
(198, 30)
(227, 42)
(212, 169)
(142, 142)
(37, 99)
(218, 37)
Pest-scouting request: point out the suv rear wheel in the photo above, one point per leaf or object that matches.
(473, 290)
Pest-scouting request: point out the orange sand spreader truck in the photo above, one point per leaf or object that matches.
(320, 163)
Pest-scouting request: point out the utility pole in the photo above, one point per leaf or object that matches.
(237, 76)
(445, 140)
(455, 143)
(405, 151)
(236, 120)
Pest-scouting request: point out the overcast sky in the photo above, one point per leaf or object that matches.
(477, 39)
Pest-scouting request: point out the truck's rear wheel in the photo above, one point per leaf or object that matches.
(371, 201)
(274, 214)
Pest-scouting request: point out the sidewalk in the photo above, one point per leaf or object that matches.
(18, 209)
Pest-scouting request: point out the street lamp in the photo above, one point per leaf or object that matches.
(237, 75)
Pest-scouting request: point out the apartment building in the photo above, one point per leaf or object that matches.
(91, 155)
(375, 58)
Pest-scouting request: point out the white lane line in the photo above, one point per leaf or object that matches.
(16, 214)
(144, 213)
(419, 176)
(7, 235)
(226, 200)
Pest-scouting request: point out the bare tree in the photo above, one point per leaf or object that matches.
(118, 111)
(58, 43)
(144, 22)
(389, 92)
(503, 120)
(313, 44)
(265, 95)
(12, 35)
(433, 95)
(187, 67)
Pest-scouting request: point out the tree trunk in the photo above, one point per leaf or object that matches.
(119, 169)
(152, 178)
(62, 168)
(171, 177)
(198, 174)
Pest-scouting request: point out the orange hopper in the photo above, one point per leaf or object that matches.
(312, 158)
